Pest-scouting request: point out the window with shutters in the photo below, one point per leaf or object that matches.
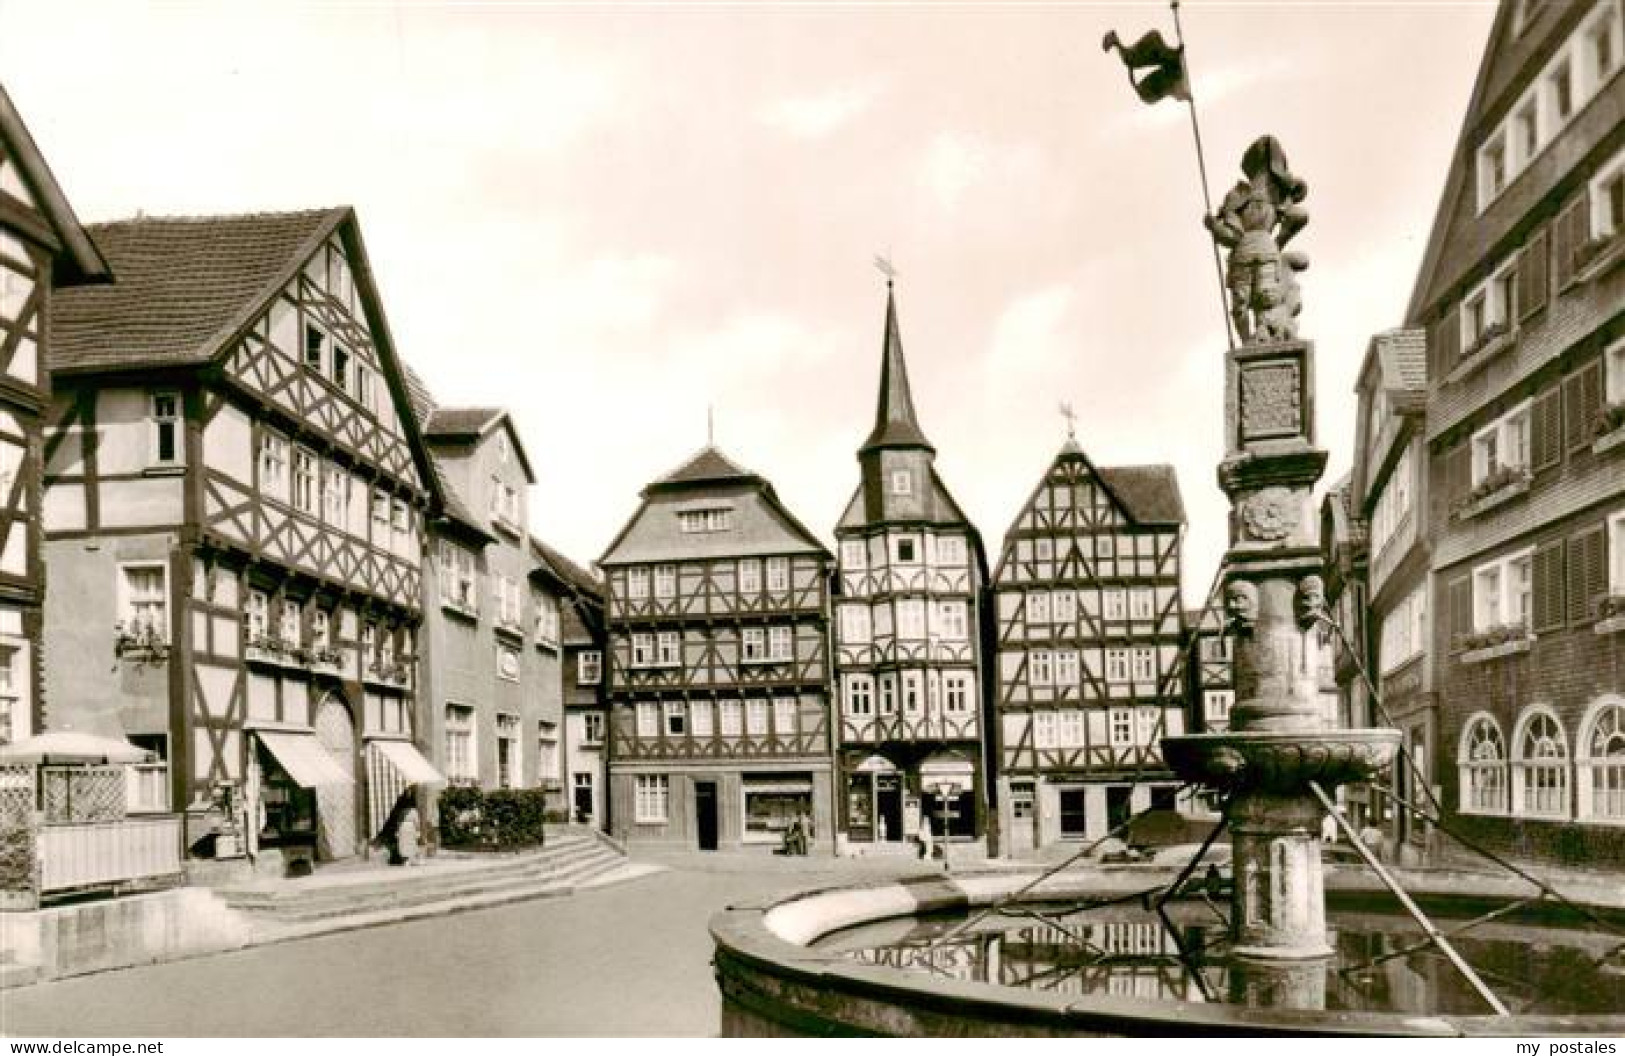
(1613, 371)
(1445, 342)
(1533, 276)
(1546, 430)
(1582, 404)
(1501, 451)
(1587, 573)
(1502, 594)
(1569, 231)
(1459, 594)
(1487, 312)
(1549, 612)
(1616, 562)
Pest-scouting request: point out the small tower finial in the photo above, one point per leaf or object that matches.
(1071, 417)
(710, 426)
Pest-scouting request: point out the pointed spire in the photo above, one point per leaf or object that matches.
(895, 421)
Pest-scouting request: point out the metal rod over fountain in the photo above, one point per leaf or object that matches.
(1280, 743)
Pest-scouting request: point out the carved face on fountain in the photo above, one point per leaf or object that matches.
(1240, 606)
(1310, 602)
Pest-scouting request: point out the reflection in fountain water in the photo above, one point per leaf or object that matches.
(1127, 953)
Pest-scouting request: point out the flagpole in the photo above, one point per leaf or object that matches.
(1201, 168)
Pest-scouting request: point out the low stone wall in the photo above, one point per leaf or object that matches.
(774, 985)
(121, 932)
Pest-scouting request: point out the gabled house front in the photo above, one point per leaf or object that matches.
(235, 497)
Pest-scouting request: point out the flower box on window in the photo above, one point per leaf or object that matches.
(1596, 256)
(396, 674)
(270, 649)
(1609, 427)
(326, 660)
(1610, 614)
(1491, 339)
(1500, 485)
(139, 642)
(1493, 642)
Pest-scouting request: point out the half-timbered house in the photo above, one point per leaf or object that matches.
(42, 247)
(908, 656)
(235, 492)
(1086, 599)
(717, 664)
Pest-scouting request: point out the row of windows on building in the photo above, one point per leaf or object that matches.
(1061, 667)
(750, 571)
(296, 475)
(1125, 727)
(1062, 606)
(1574, 74)
(757, 645)
(1533, 435)
(949, 620)
(1101, 555)
(918, 694)
(461, 742)
(459, 590)
(1543, 588)
(1541, 778)
(947, 551)
(750, 717)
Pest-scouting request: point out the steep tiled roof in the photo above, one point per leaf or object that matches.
(564, 568)
(709, 466)
(460, 422)
(185, 286)
(1151, 493)
(1403, 356)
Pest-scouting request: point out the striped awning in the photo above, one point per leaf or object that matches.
(948, 769)
(790, 785)
(304, 758)
(404, 757)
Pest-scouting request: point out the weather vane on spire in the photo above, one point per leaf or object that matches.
(1071, 417)
(883, 265)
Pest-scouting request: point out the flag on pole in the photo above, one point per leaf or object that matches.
(1161, 67)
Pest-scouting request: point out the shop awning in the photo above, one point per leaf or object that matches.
(876, 764)
(404, 756)
(304, 758)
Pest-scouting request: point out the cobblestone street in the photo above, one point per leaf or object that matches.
(626, 960)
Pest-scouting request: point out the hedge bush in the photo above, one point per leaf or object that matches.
(495, 819)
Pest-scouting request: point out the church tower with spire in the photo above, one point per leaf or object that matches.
(908, 650)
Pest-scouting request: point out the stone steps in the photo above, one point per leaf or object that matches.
(570, 860)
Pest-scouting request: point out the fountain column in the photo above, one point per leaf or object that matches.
(1279, 739)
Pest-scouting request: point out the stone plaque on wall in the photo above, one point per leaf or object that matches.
(1271, 400)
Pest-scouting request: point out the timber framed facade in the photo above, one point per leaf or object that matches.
(716, 664)
(42, 247)
(1086, 610)
(235, 499)
(909, 674)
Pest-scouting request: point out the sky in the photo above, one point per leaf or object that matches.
(612, 220)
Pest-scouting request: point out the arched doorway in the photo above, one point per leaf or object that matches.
(335, 804)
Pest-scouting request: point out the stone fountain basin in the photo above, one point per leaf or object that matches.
(1281, 762)
(773, 984)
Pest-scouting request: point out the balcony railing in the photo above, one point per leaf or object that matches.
(102, 853)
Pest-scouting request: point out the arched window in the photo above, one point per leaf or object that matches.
(1540, 767)
(1482, 760)
(1601, 762)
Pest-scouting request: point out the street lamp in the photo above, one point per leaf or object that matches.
(947, 790)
